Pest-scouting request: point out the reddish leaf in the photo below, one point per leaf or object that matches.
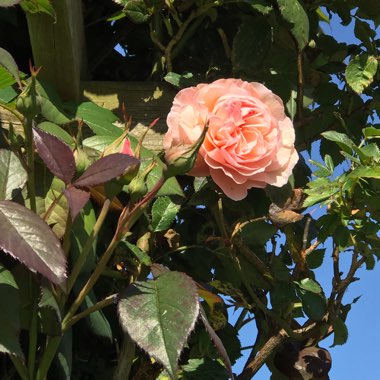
(56, 155)
(106, 169)
(77, 199)
(26, 237)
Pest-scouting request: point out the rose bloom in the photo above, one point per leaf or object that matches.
(250, 140)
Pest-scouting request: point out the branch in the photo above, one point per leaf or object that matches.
(255, 362)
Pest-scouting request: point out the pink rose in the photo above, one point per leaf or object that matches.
(126, 147)
(250, 140)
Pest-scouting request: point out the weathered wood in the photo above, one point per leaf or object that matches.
(58, 46)
(144, 102)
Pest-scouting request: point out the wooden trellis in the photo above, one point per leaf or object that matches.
(59, 47)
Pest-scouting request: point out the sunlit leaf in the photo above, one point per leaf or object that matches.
(99, 119)
(293, 12)
(361, 71)
(7, 61)
(13, 176)
(26, 237)
(167, 307)
(164, 212)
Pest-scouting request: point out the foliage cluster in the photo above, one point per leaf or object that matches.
(96, 238)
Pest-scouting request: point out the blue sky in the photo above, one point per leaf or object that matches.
(358, 358)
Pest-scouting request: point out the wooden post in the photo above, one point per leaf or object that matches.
(58, 46)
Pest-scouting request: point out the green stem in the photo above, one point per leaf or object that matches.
(28, 130)
(48, 356)
(67, 236)
(87, 247)
(91, 281)
(20, 367)
(32, 342)
(52, 206)
(125, 361)
(98, 306)
(219, 217)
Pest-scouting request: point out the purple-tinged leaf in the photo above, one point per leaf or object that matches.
(217, 342)
(77, 199)
(106, 169)
(159, 316)
(7, 61)
(56, 155)
(26, 237)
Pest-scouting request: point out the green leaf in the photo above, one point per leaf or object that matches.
(56, 131)
(309, 285)
(257, 233)
(99, 119)
(98, 142)
(97, 321)
(13, 176)
(282, 296)
(7, 61)
(371, 133)
(6, 78)
(36, 6)
(9, 316)
(168, 308)
(365, 172)
(315, 258)
(293, 12)
(360, 72)
(58, 216)
(7, 94)
(204, 369)
(344, 142)
(142, 256)
(80, 232)
(136, 11)
(49, 312)
(329, 163)
(164, 212)
(29, 239)
(314, 305)
(340, 332)
(181, 81)
(171, 186)
(51, 112)
(251, 45)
